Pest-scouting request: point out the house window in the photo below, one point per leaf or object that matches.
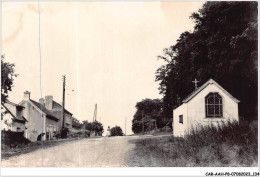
(214, 105)
(181, 119)
(18, 129)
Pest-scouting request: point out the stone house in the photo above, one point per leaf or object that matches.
(42, 123)
(77, 127)
(57, 110)
(13, 116)
(76, 124)
(209, 104)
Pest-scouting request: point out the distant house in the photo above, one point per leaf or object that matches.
(57, 110)
(42, 123)
(76, 124)
(13, 118)
(209, 104)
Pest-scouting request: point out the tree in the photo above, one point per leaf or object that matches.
(116, 131)
(223, 46)
(93, 126)
(148, 109)
(87, 125)
(7, 78)
(97, 127)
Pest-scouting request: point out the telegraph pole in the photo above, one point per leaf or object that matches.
(63, 100)
(95, 113)
(94, 117)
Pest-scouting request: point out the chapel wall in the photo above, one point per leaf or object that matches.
(180, 128)
(197, 111)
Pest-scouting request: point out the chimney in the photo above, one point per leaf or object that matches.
(41, 101)
(48, 102)
(26, 95)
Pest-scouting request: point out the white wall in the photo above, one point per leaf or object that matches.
(33, 116)
(179, 128)
(13, 124)
(16, 125)
(197, 113)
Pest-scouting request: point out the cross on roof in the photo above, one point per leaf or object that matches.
(195, 82)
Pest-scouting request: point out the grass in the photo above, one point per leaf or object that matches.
(227, 145)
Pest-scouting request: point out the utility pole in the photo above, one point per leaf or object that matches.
(63, 100)
(94, 117)
(95, 113)
(143, 122)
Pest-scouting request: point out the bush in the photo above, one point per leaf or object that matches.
(11, 139)
(116, 131)
(76, 134)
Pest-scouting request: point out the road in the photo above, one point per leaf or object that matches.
(98, 152)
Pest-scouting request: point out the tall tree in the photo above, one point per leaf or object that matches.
(223, 46)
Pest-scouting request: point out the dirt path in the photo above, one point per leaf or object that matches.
(100, 152)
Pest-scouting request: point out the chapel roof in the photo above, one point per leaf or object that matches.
(198, 90)
(14, 104)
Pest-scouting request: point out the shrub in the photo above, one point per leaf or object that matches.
(116, 131)
(11, 139)
(76, 134)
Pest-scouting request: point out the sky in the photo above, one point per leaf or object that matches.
(107, 50)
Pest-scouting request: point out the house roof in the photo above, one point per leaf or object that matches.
(198, 90)
(14, 104)
(75, 123)
(45, 110)
(15, 118)
(57, 104)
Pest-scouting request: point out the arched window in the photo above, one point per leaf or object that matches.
(214, 105)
